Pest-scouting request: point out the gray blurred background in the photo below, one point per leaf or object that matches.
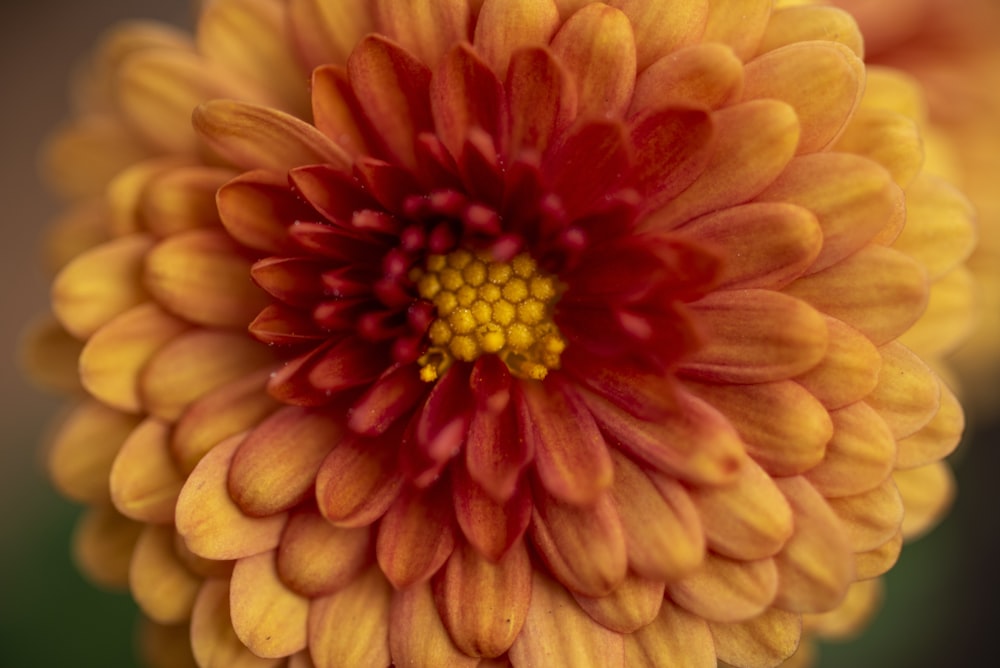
(941, 603)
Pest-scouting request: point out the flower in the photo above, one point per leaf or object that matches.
(547, 333)
(950, 48)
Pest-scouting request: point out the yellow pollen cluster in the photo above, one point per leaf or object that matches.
(487, 307)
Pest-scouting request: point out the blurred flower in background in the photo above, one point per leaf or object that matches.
(460, 397)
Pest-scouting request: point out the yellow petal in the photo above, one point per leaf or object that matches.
(701, 75)
(80, 159)
(660, 29)
(326, 32)
(83, 449)
(103, 542)
(160, 582)
(182, 199)
(75, 231)
(632, 605)
(762, 642)
(417, 636)
(114, 357)
(316, 558)
(927, 494)
(738, 23)
(858, 607)
(848, 371)
(145, 482)
(953, 309)
(559, 634)
(822, 81)
(871, 518)
(268, 617)
(202, 276)
(675, 638)
(888, 138)
(211, 523)
(878, 561)
(789, 25)
(483, 604)
(597, 47)
(166, 646)
(425, 28)
(816, 565)
(366, 603)
(100, 284)
(748, 519)
(727, 590)
(213, 639)
(126, 190)
(859, 456)
(756, 336)
(908, 393)
(937, 439)
(939, 231)
(504, 26)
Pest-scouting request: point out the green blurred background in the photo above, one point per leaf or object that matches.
(940, 605)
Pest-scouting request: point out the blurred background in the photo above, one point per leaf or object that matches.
(941, 604)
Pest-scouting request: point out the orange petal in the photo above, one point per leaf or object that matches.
(571, 458)
(249, 136)
(505, 26)
(145, 482)
(937, 439)
(224, 412)
(275, 466)
(50, 356)
(425, 28)
(632, 605)
(672, 147)
(583, 547)
(249, 41)
(738, 23)
(194, 364)
(817, 564)
(859, 456)
(888, 138)
(762, 642)
(125, 193)
(674, 638)
(541, 98)
(415, 537)
(366, 603)
(103, 543)
(662, 29)
(357, 482)
(822, 81)
(159, 581)
(597, 47)
(558, 633)
(325, 32)
(213, 639)
(100, 284)
(202, 276)
(492, 527)
(765, 245)
(316, 558)
(166, 646)
(756, 336)
(793, 24)
(268, 617)
(417, 636)
(748, 519)
(391, 86)
(182, 199)
(927, 494)
(727, 590)
(337, 111)
(696, 443)
(939, 230)
(211, 523)
(483, 604)
(878, 291)
(701, 75)
(663, 535)
(849, 369)
(871, 518)
(880, 560)
(908, 393)
(953, 309)
(466, 94)
(753, 143)
(784, 427)
(852, 198)
(83, 449)
(112, 360)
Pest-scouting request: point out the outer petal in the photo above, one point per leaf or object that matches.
(504, 26)
(738, 23)
(425, 28)
(702, 75)
(160, 582)
(793, 24)
(927, 493)
(145, 482)
(316, 558)
(675, 638)
(213, 640)
(660, 28)
(762, 642)
(727, 590)
(631, 606)
(417, 636)
(415, 537)
(559, 634)
(849, 369)
(871, 518)
(268, 618)
(103, 543)
(859, 456)
(366, 603)
(937, 438)
(325, 32)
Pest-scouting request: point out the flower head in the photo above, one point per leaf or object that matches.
(548, 331)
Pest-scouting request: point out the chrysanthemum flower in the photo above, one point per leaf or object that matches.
(951, 49)
(545, 333)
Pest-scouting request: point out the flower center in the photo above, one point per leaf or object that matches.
(489, 307)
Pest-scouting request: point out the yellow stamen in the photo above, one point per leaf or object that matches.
(487, 307)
